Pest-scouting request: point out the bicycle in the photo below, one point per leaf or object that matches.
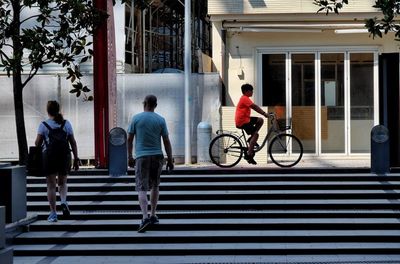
(285, 150)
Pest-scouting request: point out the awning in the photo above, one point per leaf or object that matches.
(346, 27)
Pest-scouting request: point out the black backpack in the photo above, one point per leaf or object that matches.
(57, 148)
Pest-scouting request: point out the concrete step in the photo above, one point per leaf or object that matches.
(230, 204)
(181, 214)
(234, 195)
(205, 249)
(226, 178)
(261, 185)
(223, 224)
(216, 236)
(242, 259)
(212, 169)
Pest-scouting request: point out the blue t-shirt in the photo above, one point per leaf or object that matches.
(148, 128)
(42, 130)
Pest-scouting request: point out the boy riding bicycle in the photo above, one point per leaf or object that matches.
(248, 123)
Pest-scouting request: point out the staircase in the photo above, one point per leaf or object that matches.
(229, 218)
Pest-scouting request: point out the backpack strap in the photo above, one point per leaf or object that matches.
(49, 128)
(47, 125)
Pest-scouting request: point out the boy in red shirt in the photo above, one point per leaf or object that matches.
(250, 124)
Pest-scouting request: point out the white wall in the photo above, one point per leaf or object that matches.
(119, 26)
(244, 57)
(169, 88)
(279, 6)
(205, 105)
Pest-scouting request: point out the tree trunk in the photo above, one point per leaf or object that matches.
(17, 85)
(19, 119)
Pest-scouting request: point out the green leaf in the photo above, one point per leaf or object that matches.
(85, 89)
(78, 86)
(84, 59)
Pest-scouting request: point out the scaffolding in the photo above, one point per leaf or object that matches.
(155, 35)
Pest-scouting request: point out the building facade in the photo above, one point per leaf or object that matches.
(323, 70)
(144, 40)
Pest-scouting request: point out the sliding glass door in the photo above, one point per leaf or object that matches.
(332, 110)
(274, 84)
(303, 99)
(361, 101)
(329, 97)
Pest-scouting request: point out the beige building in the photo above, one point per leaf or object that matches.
(323, 69)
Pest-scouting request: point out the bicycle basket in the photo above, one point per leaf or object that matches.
(282, 124)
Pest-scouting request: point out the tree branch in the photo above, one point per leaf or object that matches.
(7, 45)
(31, 75)
(28, 18)
(3, 54)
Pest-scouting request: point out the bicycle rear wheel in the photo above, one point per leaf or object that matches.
(285, 150)
(225, 150)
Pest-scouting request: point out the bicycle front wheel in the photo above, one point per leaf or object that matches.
(285, 150)
(225, 150)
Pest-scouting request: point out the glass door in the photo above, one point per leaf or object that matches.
(274, 84)
(332, 102)
(328, 97)
(303, 99)
(361, 101)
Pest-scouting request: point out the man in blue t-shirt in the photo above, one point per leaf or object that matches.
(148, 128)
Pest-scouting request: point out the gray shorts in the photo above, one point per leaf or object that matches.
(147, 171)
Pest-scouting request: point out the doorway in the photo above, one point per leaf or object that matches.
(329, 97)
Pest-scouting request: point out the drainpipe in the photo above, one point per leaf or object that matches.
(188, 71)
(59, 89)
(223, 66)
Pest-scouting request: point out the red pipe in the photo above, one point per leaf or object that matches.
(100, 90)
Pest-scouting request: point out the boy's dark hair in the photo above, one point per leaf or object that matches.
(246, 87)
(150, 100)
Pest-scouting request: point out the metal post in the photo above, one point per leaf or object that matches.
(59, 90)
(144, 39)
(133, 35)
(150, 53)
(188, 71)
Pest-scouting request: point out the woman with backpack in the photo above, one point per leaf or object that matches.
(55, 135)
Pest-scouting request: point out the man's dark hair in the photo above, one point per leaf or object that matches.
(247, 87)
(150, 100)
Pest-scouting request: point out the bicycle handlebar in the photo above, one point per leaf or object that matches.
(271, 115)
